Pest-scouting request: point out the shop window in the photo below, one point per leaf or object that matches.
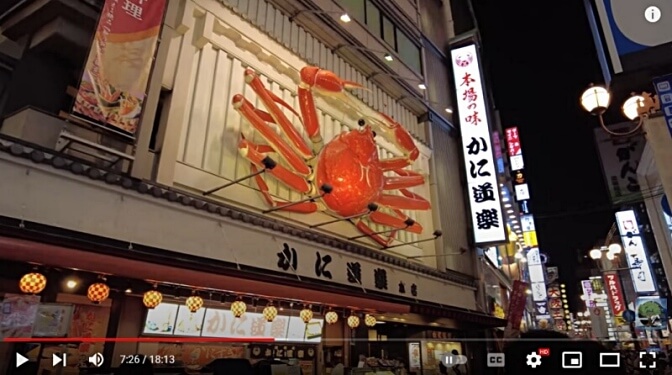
(355, 9)
(389, 32)
(373, 18)
(408, 51)
(382, 27)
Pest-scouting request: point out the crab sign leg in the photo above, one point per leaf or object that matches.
(409, 201)
(325, 82)
(397, 221)
(395, 133)
(255, 154)
(394, 163)
(248, 111)
(384, 242)
(405, 179)
(304, 207)
(271, 101)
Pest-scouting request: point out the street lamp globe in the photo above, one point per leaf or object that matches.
(610, 256)
(595, 254)
(595, 100)
(615, 248)
(632, 105)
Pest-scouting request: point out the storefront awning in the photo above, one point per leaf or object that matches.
(122, 266)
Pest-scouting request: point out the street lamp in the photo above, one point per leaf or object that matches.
(615, 248)
(596, 100)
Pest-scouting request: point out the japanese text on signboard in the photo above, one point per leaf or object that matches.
(513, 141)
(487, 220)
(615, 293)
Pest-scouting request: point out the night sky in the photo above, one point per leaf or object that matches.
(540, 59)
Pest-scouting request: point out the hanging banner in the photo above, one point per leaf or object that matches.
(114, 82)
(616, 297)
(517, 302)
(620, 158)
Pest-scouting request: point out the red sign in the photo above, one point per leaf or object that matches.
(517, 303)
(615, 293)
(114, 84)
(513, 142)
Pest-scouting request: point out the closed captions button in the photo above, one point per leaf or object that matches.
(496, 359)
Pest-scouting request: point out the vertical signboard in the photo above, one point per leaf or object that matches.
(497, 146)
(664, 90)
(588, 294)
(483, 188)
(615, 295)
(114, 82)
(620, 158)
(537, 277)
(514, 149)
(516, 308)
(635, 252)
(536, 266)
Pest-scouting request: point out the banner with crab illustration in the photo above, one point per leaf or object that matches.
(114, 81)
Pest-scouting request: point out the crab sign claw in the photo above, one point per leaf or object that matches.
(395, 133)
(326, 83)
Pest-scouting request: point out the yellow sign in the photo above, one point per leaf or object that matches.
(530, 238)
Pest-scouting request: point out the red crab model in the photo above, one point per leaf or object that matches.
(347, 169)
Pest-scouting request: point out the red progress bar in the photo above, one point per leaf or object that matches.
(139, 339)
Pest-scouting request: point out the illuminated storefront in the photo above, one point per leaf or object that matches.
(208, 199)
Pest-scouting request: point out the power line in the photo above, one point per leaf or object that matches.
(630, 199)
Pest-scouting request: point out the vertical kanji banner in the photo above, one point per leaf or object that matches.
(517, 302)
(114, 82)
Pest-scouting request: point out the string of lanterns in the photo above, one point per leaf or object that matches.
(98, 292)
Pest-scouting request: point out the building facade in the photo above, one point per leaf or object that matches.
(177, 207)
(634, 65)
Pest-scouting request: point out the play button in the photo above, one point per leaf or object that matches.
(20, 360)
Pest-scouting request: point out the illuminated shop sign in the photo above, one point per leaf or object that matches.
(635, 252)
(484, 200)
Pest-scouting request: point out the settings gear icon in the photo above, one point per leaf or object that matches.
(533, 360)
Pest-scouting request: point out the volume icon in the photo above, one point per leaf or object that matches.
(97, 360)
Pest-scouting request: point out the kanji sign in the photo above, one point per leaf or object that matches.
(330, 267)
(635, 251)
(620, 158)
(486, 211)
(513, 141)
(587, 287)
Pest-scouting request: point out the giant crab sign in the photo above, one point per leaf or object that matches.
(346, 170)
